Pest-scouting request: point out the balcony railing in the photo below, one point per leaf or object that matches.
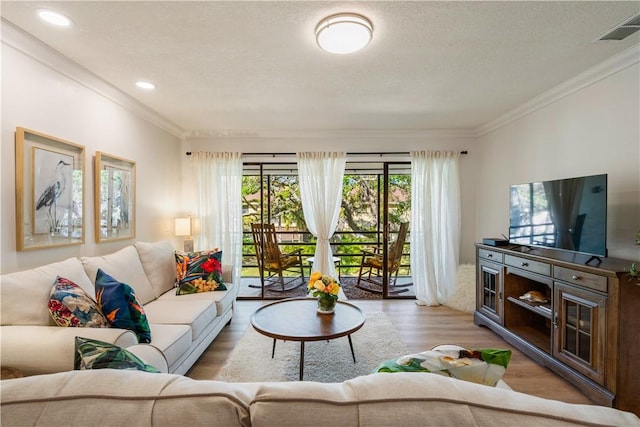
(350, 253)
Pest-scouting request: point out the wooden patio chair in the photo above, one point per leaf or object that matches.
(272, 263)
(371, 266)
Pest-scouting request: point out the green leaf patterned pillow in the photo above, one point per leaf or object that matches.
(95, 354)
(483, 366)
(199, 272)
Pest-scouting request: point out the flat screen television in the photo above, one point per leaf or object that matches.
(567, 214)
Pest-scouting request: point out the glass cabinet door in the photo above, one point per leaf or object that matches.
(489, 297)
(580, 330)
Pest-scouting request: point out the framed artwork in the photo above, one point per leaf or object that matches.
(49, 191)
(115, 198)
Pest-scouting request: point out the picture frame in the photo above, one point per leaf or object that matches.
(50, 182)
(114, 198)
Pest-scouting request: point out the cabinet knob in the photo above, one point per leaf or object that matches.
(490, 256)
(574, 277)
(525, 264)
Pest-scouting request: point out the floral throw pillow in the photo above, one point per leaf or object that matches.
(483, 366)
(70, 305)
(94, 354)
(183, 259)
(121, 307)
(199, 272)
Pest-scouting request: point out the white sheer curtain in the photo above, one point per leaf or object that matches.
(435, 224)
(320, 176)
(218, 192)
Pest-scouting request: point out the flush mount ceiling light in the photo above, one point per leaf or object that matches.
(344, 33)
(54, 18)
(145, 85)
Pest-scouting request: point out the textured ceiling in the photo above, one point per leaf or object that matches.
(244, 66)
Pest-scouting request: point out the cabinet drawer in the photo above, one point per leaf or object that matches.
(528, 265)
(588, 280)
(490, 255)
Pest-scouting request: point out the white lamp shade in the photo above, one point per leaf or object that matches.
(344, 33)
(183, 227)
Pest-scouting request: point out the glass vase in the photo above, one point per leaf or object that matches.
(326, 305)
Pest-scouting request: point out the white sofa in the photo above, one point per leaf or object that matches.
(111, 397)
(182, 327)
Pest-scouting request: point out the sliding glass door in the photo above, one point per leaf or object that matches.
(270, 195)
(396, 215)
(375, 202)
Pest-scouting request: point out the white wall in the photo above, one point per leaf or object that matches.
(36, 97)
(372, 143)
(595, 130)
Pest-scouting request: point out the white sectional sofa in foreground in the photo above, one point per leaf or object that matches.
(133, 398)
(182, 327)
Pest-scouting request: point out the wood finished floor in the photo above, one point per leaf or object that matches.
(420, 328)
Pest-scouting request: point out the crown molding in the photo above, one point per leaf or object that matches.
(30, 46)
(283, 134)
(593, 75)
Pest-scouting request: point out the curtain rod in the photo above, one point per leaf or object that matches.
(348, 154)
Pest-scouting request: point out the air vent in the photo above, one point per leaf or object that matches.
(624, 30)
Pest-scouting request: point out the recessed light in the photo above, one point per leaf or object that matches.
(145, 85)
(54, 18)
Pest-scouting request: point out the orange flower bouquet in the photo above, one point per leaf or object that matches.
(326, 289)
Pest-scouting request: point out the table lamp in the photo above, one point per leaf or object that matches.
(183, 228)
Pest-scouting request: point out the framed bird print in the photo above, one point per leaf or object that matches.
(115, 198)
(52, 193)
(50, 174)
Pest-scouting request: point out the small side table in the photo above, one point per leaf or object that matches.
(10, 373)
(336, 261)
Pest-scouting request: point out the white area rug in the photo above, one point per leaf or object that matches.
(324, 361)
(464, 292)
